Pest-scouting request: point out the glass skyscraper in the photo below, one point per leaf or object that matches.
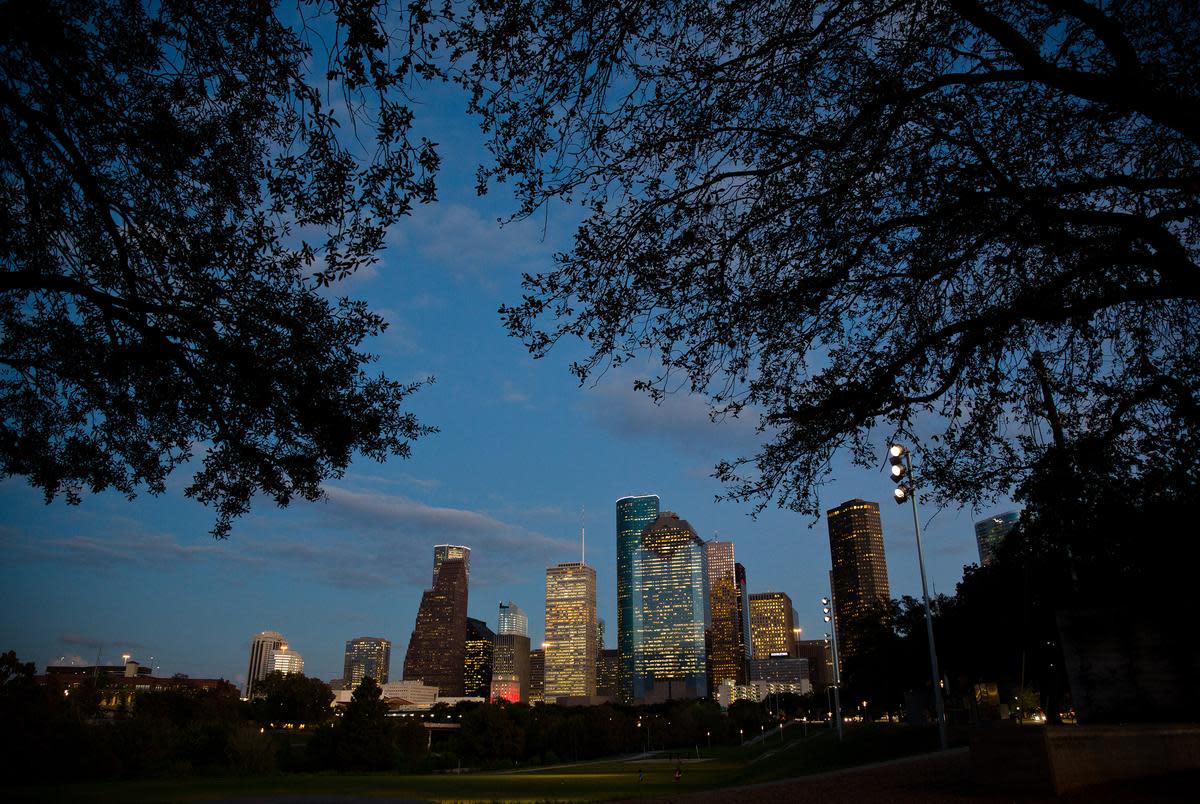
(991, 532)
(634, 514)
(670, 612)
(860, 579)
(726, 652)
(366, 657)
(570, 630)
(478, 662)
(512, 620)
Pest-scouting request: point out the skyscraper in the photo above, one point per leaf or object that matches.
(570, 630)
(262, 646)
(478, 662)
(860, 580)
(727, 656)
(443, 552)
(772, 627)
(634, 514)
(512, 620)
(670, 612)
(607, 673)
(743, 606)
(366, 657)
(437, 649)
(286, 661)
(537, 675)
(510, 665)
(991, 532)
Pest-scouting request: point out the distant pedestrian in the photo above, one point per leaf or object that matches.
(678, 773)
(641, 776)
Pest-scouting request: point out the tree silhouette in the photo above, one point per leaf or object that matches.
(972, 222)
(176, 191)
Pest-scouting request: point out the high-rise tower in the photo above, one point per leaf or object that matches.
(743, 606)
(772, 625)
(443, 552)
(860, 580)
(670, 612)
(437, 649)
(991, 532)
(512, 620)
(479, 660)
(570, 630)
(366, 657)
(634, 514)
(727, 656)
(262, 646)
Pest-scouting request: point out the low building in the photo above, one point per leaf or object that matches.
(409, 695)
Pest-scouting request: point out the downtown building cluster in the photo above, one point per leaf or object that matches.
(687, 625)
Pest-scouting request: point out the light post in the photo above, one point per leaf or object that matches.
(827, 608)
(709, 733)
(742, 735)
(901, 460)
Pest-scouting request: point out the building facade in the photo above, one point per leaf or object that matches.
(820, 661)
(366, 657)
(670, 612)
(512, 620)
(634, 514)
(445, 552)
(286, 661)
(437, 650)
(860, 579)
(262, 646)
(772, 627)
(727, 654)
(478, 662)
(990, 533)
(570, 630)
(510, 669)
(537, 675)
(608, 674)
(743, 604)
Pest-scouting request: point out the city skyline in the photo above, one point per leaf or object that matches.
(76, 579)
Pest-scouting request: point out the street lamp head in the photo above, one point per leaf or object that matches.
(824, 601)
(901, 494)
(896, 450)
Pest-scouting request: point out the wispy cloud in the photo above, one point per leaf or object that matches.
(468, 246)
(513, 394)
(682, 420)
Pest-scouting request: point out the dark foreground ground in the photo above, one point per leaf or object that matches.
(942, 778)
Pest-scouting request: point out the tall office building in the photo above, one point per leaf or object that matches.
(262, 646)
(743, 606)
(437, 649)
(820, 661)
(444, 552)
(537, 675)
(772, 627)
(634, 514)
(608, 673)
(991, 532)
(512, 620)
(570, 630)
(510, 669)
(727, 655)
(366, 657)
(478, 663)
(286, 661)
(860, 580)
(670, 612)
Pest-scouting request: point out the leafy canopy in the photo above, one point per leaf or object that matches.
(858, 219)
(178, 180)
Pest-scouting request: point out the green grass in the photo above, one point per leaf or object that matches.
(585, 782)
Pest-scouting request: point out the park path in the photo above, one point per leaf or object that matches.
(939, 778)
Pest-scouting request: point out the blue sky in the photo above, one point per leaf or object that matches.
(523, 457)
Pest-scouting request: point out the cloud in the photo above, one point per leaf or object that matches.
(512, 394)
(101, 549)
(457, 238)
(681, 419)
(372, 539)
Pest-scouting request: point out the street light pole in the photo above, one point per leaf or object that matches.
(831, 618)
(910, 491)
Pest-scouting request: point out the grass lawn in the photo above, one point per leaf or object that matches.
(723, 767)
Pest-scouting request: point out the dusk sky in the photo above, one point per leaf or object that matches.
(522, 451)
